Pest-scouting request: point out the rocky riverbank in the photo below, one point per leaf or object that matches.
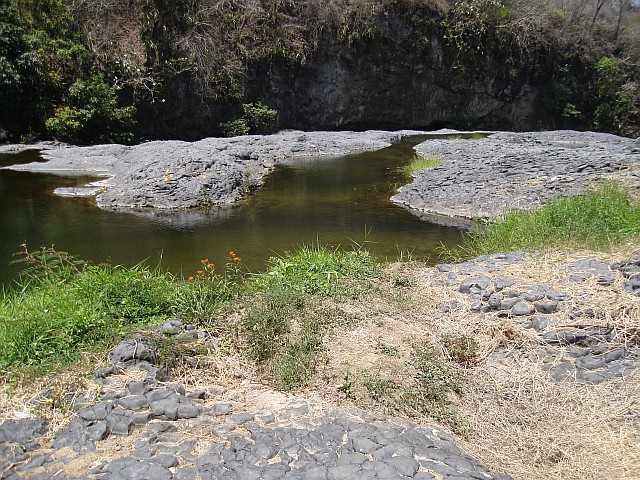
(213, 171)
(554, 380)
(488, 176)
(478, 178)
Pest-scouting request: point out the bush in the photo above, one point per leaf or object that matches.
(257, 119)
(92, 113)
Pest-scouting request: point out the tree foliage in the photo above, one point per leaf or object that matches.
(48, 82)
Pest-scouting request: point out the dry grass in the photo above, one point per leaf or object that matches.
(520, 421)
(534, 428)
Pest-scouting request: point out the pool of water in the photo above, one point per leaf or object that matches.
(330, 201)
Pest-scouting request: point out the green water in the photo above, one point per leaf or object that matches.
(330, 201)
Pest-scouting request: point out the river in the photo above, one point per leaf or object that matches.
(330, 201)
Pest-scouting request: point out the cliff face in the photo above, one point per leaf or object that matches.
(392, 86)
(403, 74)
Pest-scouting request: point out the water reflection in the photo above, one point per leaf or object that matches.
(326, 200)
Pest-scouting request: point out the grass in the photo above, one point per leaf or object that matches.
(434, 381)
(418, 162)
(286, 315)
(63, 308)
(51, 320)
(598, 220)
(315, 269)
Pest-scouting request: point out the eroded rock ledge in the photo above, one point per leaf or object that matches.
(486, 177)
(212, 171)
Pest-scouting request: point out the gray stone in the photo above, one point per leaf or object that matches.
(614, 355)
(546, 307)
(187, 473)
(340, 472)
(99, 411)
(564, 338)
(404, 465)
(120, 422)
(521, 309)
(22, 431)
(168, 461)
(133, 350)
(172, 327)
(532, 296)
(479, 283)
(508, 303)
(364, 445)
(591, 362)
(138, 388)
(133, 403)
(222, 408)
(495, 300)
(188, 411)
(241, 418)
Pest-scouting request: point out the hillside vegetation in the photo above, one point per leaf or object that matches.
(119, 70)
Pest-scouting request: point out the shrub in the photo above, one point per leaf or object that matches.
(257, 119)
(92, 113)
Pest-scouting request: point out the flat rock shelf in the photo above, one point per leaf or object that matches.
(488, 176)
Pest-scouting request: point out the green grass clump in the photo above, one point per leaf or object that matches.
(62, 308)
(319, 270)
(285, 312)
(598, 220)
(52, 322)
(418, 162)
(283, 331)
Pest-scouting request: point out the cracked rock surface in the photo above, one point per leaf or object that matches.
(584, 348)
(486, 177)
(175, 434)
(212, 171)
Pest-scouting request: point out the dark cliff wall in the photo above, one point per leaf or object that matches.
(344, 64)
(402, 74)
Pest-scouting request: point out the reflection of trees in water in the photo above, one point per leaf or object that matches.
(183, 219)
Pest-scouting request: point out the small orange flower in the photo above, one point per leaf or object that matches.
(210, 266)
(204, 260)
(232, 254)
(200, 272)
(236, 259)
(58, 393)
(191, 279)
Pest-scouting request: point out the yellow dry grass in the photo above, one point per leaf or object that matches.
(520, 421)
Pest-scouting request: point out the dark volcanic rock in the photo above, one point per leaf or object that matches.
(212, 171)
(486, 177)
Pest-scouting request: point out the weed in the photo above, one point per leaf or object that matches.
(428, 395)
(418, 162)
(267, 322)
(294, 366)
(382, 390)
(388, 350)
(461, 348)
(401, 281)
(347, 386)
(319, 270)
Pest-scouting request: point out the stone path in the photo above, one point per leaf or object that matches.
(177, 434)
(486, 177)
